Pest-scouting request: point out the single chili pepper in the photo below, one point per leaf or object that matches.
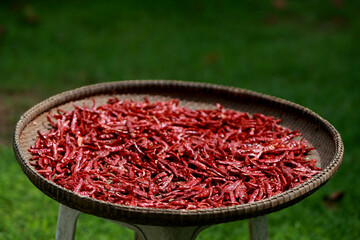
(253, 195)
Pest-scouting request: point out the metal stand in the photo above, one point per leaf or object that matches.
(67, 219)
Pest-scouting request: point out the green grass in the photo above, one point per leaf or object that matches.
(307, 52)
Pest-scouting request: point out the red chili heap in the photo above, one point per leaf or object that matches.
(161, 155)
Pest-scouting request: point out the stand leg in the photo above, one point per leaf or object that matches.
(66, 225)
(258, 228)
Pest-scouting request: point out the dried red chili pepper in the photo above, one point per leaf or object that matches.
(162, 155)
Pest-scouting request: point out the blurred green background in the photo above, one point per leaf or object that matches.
(307, 52)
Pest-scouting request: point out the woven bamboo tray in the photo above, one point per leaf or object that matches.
(316, 130)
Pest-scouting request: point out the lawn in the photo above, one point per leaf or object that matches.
(307, 52)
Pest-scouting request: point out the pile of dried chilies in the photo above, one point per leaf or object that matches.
(161, 155)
